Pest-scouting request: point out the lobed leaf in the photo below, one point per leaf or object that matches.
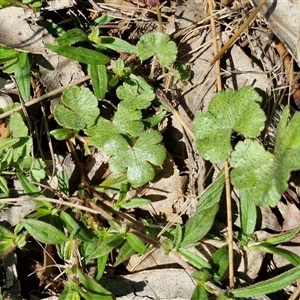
(227, 111)
(135, 97)
(79, 108)
(158, 44)
(136, 160)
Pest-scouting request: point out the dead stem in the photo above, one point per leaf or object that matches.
(240, 30)
(226, 165)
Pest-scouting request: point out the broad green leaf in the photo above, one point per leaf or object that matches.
(99, 80)
(22, 74)
(71, 37)
(73, 226)
(227, 111)
(79, 108)
(212, 193)
(90, 284)
(248, 212)
(134, 97)
(178, 234)
(62, 134)
(268, 286)
(101, 265)
(136, 160)
(199, 293)
(219, 262)
(134, 203)
(83, 55)
(101, 132)
(7, 245)
(107, 245)
(3, 185)
(194, 259)
(29, 188)
(255, 169)
(266, 174)
(125, 252)
(158, 44)
(44, 232)
(7, 54)
(201, 276)
(198, 226)
(35, 167)
(7, 143)
(136, 243)
(103, 20)
(128, 120)
(6, 234)
(117, 44)
(152, 121)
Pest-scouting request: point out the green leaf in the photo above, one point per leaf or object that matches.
(266, 174)
(6, 234)
(71, 37)
(7, 54)
(29, 188)
(125, 252)
(153, 121)
(135, 97)
(101, 265)
(199, 293)
(62, 134)
(117, 44)
(194, 259)
(79, 108)
(198, 226)
(101, 132)
(44, 232)
(212, 193)
(136, 243)
(158, 44)
(219, 262)
(255, 169)
(248, 213)
(128, 120)
(134, 203)
(268, 286)
(291, 257)
(90, 284)
(178, 234)
(227, 111)
(8, 143)
(99, 80)
(136, 160)
(17, 125)
(83, 55)
(22, 74)
(63, 182)
(107, 245)
(103, 20)
(3, 185)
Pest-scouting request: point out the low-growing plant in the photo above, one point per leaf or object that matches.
(131, 140)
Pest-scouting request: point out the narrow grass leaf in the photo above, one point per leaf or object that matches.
(22, 74)
(134, 203)
(44, 232)
(83, 55)
(268, 286)
(248, 212)
(99, 80)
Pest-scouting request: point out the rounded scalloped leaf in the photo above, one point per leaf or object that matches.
(159, 44)
(213, 143)
(227, 111)
(79, 108)
(255, 169)
(137, 161)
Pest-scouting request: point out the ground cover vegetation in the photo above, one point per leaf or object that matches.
(119, 113)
